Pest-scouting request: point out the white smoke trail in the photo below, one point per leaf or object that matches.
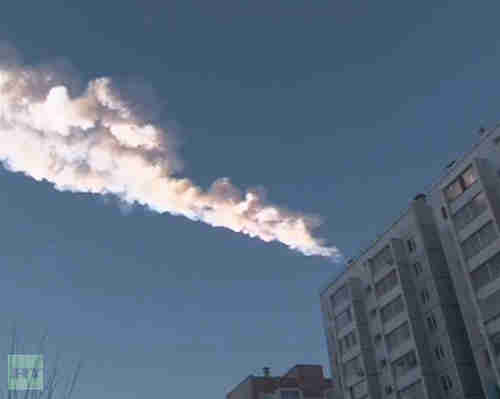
(97, 143)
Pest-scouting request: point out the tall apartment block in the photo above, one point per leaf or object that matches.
(417, 315)
(466, 205)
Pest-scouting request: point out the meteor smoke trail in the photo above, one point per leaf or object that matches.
(98, 143)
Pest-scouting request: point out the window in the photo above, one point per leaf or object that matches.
(431, 323)
(340, 296)
(404, 364)
(411, 245)
(386, 284)
(469, 177)
(446, 383)
(462, 183)
(479, 240)
(453, 191)
(343, 319)
(392, 309)
(470, 211)
(488, 271)
(353, 368)
(290, 394)
(495, 342)
(439, 352)
(381, 260)
(417, 268)
(425, 296)
(359, 390)
(413, 391)
(347, 342)
(397, 336)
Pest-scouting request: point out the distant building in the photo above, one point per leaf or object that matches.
(300, 382)
(417, 315)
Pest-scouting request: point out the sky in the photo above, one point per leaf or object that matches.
(342, 109)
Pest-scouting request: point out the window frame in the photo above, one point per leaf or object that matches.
(475, 240)
(461, 183)
(471, 210)
(411, 245)
(383, 258)
(492, 268)
(399, 329)
(414, 388)
(439, 352)
(290, 390)
(425, 296)
(348, 366)
(337, 300)
(346, 311)
(432, 324)
(418, 270)
(383, 282)
(390, 309)
(446, 383)
(406, 365)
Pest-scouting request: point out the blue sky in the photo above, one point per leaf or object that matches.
(342, 109)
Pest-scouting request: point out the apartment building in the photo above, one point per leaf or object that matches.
(393, 322)
(466, 205)
(300, 382)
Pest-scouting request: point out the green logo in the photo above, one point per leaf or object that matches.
(25, 372)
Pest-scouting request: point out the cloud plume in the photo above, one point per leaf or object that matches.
(97, 141)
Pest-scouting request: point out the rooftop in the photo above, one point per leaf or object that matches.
(428, 190)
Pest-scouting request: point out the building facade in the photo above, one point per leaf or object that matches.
(300, 382)
(466, 206)
(417, 315)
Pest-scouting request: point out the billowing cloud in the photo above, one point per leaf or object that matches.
(98, 142)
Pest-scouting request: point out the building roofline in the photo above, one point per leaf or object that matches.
(431, 187)
(239, 384)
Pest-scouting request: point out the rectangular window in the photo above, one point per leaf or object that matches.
(290, 394)
(347, 342)
(417, 268)
(392, 309)
(343, 319)
(386, 284)
(479, 240)
(382, 259)
(414, 391)
(353, 368)
(412, 246)
(397, 336)
(470, 211)
(453, 191)
(425, 296)
(340, 296)
(359, 391)
(446, 383)
(431, 323)
(404, 364)
(469, 177)
(439, 352)
(462, 183)
(481, 276)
